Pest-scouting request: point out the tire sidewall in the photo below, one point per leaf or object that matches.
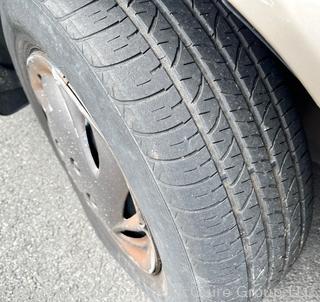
(29, 20)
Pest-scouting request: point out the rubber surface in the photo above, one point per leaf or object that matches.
(57, 257)
(209, 108)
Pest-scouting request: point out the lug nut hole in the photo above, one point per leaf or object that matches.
(75, 165)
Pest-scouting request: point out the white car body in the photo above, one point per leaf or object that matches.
(292, 29)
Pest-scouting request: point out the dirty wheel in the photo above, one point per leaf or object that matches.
(179, 133)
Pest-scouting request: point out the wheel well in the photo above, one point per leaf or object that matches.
(308, 110)
(309, 114)
(12, 97)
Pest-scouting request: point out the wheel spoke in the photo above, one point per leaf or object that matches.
(132, 224)
(110, 188)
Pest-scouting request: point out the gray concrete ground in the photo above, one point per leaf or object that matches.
(48, 250)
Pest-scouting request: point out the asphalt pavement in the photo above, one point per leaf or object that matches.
(49, 251)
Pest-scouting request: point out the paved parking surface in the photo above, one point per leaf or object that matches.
(48, 250)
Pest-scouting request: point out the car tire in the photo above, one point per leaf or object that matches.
(199, 114)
